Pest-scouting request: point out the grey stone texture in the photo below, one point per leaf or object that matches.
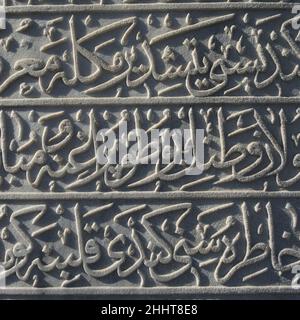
(72, 227)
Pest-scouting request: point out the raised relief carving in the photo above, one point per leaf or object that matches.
(69, 69)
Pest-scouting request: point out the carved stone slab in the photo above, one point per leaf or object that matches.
(71, 226)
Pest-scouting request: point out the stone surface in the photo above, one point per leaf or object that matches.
(69, 226)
